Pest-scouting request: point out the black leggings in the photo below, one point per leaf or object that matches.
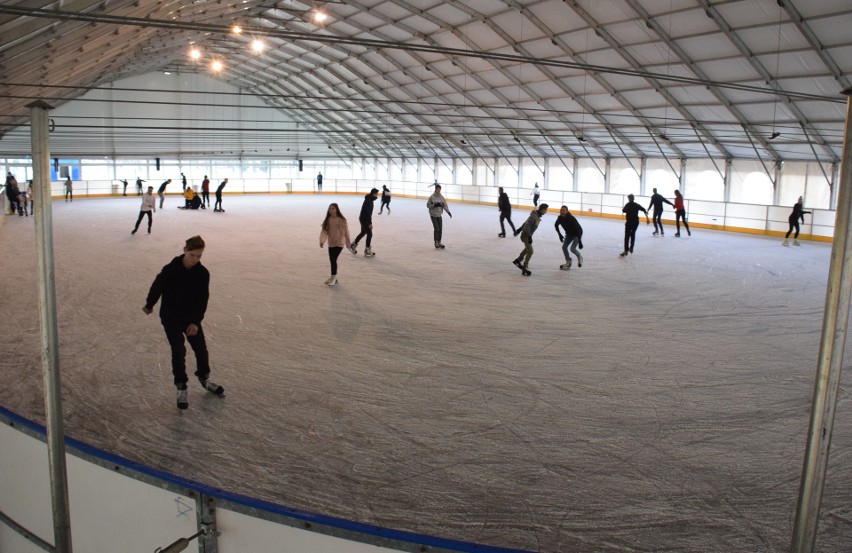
(139, 220)
(438, 228)
(365, 231)
(681, 214)
(333, 254)
(175, 335)
(794, 224)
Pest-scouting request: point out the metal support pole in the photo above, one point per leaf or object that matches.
(832, 344)
(49, 334)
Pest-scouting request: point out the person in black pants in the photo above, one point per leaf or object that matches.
(572, 239)
(218, 205)
(386, 198)
(366, 220)
(798, 213)
(631, 209)
(657, 201)
(184, 286)
(505, 208)
(319, 181)
(436, 204)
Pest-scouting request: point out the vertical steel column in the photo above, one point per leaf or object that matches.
(49, 335)
(832, 344)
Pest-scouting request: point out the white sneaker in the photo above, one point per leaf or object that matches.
(332, 281)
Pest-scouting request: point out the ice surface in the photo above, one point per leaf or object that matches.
(654, 403)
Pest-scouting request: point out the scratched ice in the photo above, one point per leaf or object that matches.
(658, 402)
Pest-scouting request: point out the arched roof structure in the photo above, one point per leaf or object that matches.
(759, 79)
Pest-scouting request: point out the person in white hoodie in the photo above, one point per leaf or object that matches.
(335, 231)
(148, 207)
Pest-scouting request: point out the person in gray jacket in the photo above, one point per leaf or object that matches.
(437, 205)
(527, 230)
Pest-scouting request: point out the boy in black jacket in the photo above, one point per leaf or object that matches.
(366, 220)
(183, 285)
(573, 236)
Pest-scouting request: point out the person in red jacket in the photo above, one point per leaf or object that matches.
(680, 213)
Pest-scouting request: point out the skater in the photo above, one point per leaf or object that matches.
(657, 201)
(23, 197)
(798, 213)
(680, 213)
(366, 220)
(386, 198)
(573, 236)
(535, 194)
(183, 285)
(218, 206)
(437, 205)
(319, 182)
(335, 230)
(13, 193)
(631, 209)
(205, 193)
(139, 182)
(30, 196)
(161, 192)
(188, 194)
(526, 231)
(505, 208)
(148, 207)
(124, 185)
(69, 190)
(183, 181)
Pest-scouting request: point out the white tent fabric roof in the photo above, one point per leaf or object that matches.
(474, 78)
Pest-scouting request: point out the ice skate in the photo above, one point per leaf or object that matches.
(369, 253)
(656, 233)
(332, 281)
(182, 400)
(525, 270)
(579, 261)
(212, 387)
(353, 247)
(565, 266)
(328, 280)
(133, 231)
(796, 243)
(517, 263)
(623, 254)
(785, 243)
(677, 235)
(501, 235)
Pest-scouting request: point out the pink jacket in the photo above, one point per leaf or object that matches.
(337, 235)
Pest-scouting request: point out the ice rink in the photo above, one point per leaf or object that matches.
(654, 403)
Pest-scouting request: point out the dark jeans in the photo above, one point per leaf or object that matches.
(175, 335)
(630, 236)
(69, 194)
(658, 221)
(205, 197)
(681, 214)
(333, 254)
(14, 204)
(365, 231)
(438, 228)
(385, 203)
(218, 202)
(139, 220)
(535, 200)
(506, 216)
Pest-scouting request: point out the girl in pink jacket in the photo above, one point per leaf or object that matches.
(335, 231)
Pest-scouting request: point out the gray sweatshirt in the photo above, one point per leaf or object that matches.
(437, 204)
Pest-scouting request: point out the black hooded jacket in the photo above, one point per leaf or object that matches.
(184, 293)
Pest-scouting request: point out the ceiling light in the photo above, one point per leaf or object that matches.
(319, 17)
(194, 54)
(236, 29)
(774, 135)
(216, 66)
(257, 45)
